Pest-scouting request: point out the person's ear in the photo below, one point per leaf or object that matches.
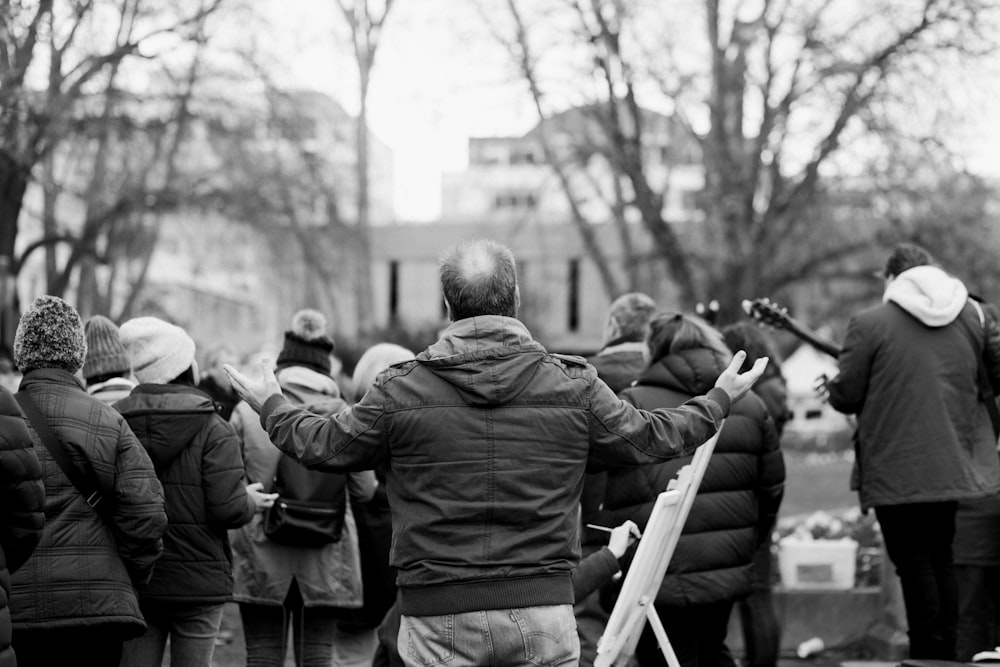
(447, 308)
(517, 299)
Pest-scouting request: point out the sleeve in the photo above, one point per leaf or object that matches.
(621, 434)
(361, 486)
(850, 387)
(770, 479)
(140, 517)
(350, 440)
(22, 492)
(227, 503)
(594, 571)
(991, 353)
(260, 457)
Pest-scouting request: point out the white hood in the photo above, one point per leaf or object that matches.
(929, 294)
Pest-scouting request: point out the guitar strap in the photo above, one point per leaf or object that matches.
(982, 378)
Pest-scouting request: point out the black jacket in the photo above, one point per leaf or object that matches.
(22, 507)
(197, 458)
(737, 502)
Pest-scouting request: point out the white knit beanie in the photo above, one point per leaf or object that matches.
(159, 351)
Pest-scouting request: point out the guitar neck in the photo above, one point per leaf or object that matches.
(810, 337)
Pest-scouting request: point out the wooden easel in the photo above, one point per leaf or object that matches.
(635, 602)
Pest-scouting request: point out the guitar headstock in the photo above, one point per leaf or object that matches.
(767, 312)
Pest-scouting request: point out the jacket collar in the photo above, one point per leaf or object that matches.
(40, 376)
(475, 334)
(632, 346)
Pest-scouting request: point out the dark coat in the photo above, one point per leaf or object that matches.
(618, 365)
(510, 427)
(22, 508)
(924, 436)
(84, 571)
(197, 458)
(738, 499)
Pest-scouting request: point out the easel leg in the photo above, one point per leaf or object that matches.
(661, 637)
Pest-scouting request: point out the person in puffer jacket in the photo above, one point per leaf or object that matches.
(22, 508)
(735, 507)
(910, 371)
(197, 458)
(74, 600)
(486, 438)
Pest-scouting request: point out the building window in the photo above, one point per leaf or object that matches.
(393, 289)
(514, 200)
(573, 303)
(525, 156)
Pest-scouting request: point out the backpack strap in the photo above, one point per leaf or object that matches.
(87, 488)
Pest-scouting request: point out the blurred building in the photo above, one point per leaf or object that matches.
(562, 299)
(511, 179)
(265, 189)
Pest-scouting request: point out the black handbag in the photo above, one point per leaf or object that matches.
(310, 508)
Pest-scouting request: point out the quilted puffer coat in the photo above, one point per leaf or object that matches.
(84, 571)
(737, 501)
(197, 458)
(22, 507)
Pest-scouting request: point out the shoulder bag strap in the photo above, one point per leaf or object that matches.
(83, 484)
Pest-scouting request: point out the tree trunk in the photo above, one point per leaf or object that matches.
(363, 268)
(13, 184)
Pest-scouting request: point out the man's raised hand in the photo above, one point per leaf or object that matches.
(255, 392)
(737, 384)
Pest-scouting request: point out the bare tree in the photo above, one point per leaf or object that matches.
(72, 44)
(776, 99)
(366, 19)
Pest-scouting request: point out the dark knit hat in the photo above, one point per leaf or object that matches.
(307, 344)
(105, 353)
(49, 335)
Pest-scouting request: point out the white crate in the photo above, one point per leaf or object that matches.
(823, 564)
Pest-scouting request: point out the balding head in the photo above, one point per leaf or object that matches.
(479, 278)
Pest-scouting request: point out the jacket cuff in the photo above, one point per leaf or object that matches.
(716, 394)
(272, 403)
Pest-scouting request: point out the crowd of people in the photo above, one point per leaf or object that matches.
(474, 503)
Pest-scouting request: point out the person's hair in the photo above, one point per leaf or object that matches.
(906, 256)
(479, 278)
(754, 341)
(671, 332)
(630, 314)
(185, 378)
(216, 353)
(375, 360)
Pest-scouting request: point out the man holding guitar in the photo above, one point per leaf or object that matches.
(919, 371)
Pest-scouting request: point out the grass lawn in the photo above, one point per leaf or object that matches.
(816, 482)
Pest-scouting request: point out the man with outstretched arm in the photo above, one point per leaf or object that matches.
(486, 437)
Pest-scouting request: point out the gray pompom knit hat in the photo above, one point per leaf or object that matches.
(307, 343)
(49, 335)
(105, 353)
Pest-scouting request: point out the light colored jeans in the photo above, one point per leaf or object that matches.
(502, 637)
(191, 628)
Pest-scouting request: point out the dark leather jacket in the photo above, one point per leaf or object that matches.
(487, 437)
